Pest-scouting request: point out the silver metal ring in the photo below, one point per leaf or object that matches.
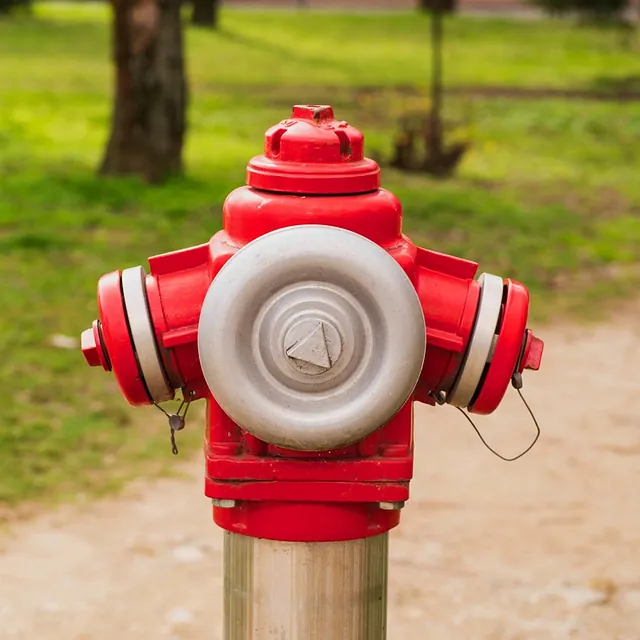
(311, 337)
(143, 334)
(480, 344)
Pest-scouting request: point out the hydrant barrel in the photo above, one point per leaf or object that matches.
(340, 589)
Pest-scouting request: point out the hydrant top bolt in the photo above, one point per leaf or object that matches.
(317, 112)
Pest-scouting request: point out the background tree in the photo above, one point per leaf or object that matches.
(8, 6)
(442, 6)
(599, 13)
(149, 113)
(205, 13)
(428, 130)
(590, 10)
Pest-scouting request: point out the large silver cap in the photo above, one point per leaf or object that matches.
(311, 337)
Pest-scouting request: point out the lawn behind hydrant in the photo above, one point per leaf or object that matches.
(549, 193)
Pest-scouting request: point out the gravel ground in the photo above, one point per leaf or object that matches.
(544, 548)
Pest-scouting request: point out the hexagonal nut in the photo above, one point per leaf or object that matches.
(533, 357)
(391, 506)
(223, 503)
(317, 112)
(90, 349)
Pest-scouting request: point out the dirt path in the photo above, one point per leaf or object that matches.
(545, 548)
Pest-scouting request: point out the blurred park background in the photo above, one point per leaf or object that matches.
(509, 131)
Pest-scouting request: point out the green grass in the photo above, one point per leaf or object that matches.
(549, 194)
(277, 47)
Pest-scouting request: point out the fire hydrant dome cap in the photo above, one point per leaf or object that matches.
(313, 153)
(311, 337)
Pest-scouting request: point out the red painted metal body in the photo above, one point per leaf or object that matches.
(313, 171)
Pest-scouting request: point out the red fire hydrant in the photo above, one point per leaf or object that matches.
(310, 324)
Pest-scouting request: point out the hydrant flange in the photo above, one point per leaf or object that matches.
(482, 341)
(143, 336)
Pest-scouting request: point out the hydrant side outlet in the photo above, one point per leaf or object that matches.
(311, 324)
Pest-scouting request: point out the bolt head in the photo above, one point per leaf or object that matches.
(391, 506)
(93, 349)
(533, 357)
(89, 348)
(222, 503)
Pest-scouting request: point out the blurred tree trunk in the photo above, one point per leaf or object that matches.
(11, 6)
(148, 122)
(205, 13)
(444, 6)
(440, 159)
(434, 141)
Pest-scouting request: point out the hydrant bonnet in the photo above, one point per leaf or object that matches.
(313, 153)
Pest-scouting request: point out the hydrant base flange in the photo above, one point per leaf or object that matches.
(301, 521)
